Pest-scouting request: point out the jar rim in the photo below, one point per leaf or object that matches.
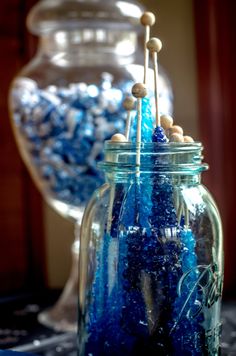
(173, 157)
(159, 147)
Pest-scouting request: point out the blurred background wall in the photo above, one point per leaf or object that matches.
(199, 57)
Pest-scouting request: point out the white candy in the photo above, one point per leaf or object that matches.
(25, 83)
(93, 91)
(71, 120)
(52, 89)
(53, 99)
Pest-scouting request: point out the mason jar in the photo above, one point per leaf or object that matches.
(151, 256)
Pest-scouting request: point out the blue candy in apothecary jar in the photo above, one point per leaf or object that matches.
(151, 254)
(63, 130)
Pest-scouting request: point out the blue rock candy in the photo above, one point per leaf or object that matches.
(147, 123)
(73, 122)
(159, 135)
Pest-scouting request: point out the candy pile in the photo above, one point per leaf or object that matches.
(63, 130)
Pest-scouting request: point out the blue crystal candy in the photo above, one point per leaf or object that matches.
(147, 123)
(159, 135)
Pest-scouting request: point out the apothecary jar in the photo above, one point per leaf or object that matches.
(151, 256)
(64, 103)
(68, 99)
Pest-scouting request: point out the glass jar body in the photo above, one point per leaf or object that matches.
(151, 267)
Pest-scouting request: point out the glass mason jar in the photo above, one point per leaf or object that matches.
(151, 260)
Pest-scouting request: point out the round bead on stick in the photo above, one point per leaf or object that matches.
(118, 138)
(188, 139)
(139, 90)
(128, 104)
(176, 137)
(148, 19)
(154, 46)
(166, 122)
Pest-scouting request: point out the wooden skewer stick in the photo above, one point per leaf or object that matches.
(154, 46)
(117, 138)
(186, 216)
(111, 202)
(180, 211)
(128, 104)
(139, 91)
(148, 19)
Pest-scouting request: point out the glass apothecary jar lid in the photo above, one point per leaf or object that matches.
(50, 16)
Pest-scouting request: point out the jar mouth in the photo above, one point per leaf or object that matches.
(149, 146)
(173, 157)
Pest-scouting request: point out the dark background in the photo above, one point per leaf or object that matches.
(22, 248)
(21, 232)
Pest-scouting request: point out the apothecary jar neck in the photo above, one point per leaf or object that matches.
(93, 27)
(90, 45)
(175, 159)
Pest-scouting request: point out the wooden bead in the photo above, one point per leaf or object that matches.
(188, 139)
(148, 19)
(128, 103)
(139, 90)
(166, 121)
(176, 137)
(118, 138)
(154, 45)
(175, 129)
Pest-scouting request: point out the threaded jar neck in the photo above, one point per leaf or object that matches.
(169, 158)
